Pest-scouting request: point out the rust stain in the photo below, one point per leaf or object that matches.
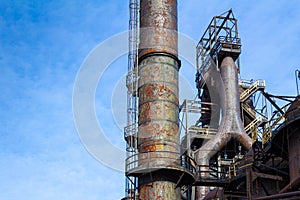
(158, 92)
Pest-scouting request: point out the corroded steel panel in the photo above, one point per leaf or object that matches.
(158, 98)
(158, 103)
(159, 190)
(158, 91)
(158, 123)
(162, 132)
(161, 17)
(294, 154)
(158, 110)
(293, 138)
(159, 69)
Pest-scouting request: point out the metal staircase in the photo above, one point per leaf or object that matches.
(255, 123)
(249, 110)
(258, 119)
(188, 109)
(268, 132)
(255, 86)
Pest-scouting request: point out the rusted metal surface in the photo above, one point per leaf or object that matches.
(293, 114)
(158, 99)
(158, 120)
(289, 195)
(158, 104)
(294, 153)
(293, 185)
(159, 190)
(231, 125)
(158, 23)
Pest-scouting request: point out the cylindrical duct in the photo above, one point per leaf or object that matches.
(158, 97)
(158, 23)
(231, 124)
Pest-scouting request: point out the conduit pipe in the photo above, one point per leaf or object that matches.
(231, 125)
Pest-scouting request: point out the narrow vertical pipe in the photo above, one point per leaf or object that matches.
(158, 95)
(297, 76)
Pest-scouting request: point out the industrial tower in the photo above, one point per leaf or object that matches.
(153, 136)
(243, 145)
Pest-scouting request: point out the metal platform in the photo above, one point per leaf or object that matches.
(182, 167)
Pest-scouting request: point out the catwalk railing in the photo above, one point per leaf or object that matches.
(140, 163)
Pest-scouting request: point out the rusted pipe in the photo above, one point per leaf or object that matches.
(158, 97)
(158, 23)
(277, 196)
(231, 125)
(295, 183)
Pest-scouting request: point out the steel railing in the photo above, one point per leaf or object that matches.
(155, 160)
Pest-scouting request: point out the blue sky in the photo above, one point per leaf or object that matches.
(44, 43)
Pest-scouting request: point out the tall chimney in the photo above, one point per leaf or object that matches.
(158, 142)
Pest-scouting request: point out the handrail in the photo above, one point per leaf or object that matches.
(258, 84)
(155, 160)
(267, 135)
(130, 130)
(131, 81)
(248, 83)
(227, 42)
(249, 110)
(202, 131)
(256, 122)
(207, 173)
(130, 136)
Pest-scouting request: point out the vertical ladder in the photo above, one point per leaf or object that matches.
(130, 131)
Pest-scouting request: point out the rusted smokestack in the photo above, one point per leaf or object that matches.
(158, 98)
(231, 124)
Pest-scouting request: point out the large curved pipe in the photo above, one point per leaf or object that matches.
(231, 124)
